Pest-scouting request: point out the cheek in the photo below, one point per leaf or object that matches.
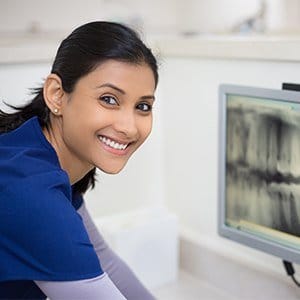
(145, 128)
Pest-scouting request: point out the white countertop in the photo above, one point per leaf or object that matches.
(22, 48)
(26, 48)
(275, 48)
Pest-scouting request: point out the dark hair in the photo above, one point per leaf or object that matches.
(79, 54)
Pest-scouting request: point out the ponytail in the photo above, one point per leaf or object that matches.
(37, 107)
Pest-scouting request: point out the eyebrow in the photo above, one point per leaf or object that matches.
(110, 85)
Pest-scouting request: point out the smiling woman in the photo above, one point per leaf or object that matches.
(117, 98)
(93, 111)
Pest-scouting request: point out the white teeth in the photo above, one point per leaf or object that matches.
(112, 144)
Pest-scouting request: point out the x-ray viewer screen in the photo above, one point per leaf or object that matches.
(262, 173)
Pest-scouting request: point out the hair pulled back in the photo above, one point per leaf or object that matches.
(79, 54)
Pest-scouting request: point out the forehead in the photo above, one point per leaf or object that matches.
(125, 75)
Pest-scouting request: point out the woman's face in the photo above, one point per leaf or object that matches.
(108, 115)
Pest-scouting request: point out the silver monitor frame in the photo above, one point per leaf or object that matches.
(253, 241)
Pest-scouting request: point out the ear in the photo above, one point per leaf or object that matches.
(53, 93)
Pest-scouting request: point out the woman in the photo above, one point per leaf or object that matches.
(93, 111)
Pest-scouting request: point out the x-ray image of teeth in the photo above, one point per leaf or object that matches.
(263, 164)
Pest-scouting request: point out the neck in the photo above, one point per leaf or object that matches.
(69, 162)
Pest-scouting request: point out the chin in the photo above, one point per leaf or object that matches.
(111, 171)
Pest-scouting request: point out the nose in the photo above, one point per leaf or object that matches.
(126, 124)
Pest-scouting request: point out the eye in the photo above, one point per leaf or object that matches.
(144, 107)
(109, 100)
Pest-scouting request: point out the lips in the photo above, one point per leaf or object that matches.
(112, 143)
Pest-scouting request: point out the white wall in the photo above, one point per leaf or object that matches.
(168, 16)
(190, 122)
(152, 16)
(17, 79)
(214, 15)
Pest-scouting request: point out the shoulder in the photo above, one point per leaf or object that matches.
(25, 153)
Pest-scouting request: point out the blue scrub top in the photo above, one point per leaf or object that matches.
(42, 237)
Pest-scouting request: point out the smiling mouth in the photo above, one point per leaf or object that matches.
(112, 144)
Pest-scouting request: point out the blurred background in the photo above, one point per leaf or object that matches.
(155, 17)
(168, 192)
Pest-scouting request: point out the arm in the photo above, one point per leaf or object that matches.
(118, 271)
(100, 287)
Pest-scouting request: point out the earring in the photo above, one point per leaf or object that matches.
(55, 110)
